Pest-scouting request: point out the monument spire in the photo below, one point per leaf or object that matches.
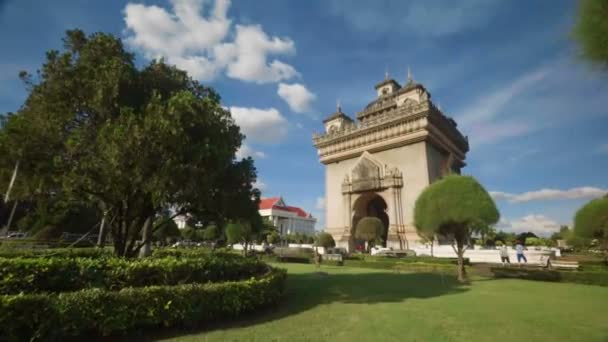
(409, 75)
(339, 106)
(386, 73)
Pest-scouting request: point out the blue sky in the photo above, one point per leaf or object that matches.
(536, 115)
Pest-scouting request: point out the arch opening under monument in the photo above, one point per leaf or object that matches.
(373, 205)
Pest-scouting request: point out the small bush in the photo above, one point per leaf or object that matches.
(71, 274)
(101, 312)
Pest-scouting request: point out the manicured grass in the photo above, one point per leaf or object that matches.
(352, 304)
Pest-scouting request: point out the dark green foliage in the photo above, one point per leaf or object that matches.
(166, 229)
(237, 232)
(70, 274)
(193, 234)
(55, 252)
(581, 277)
(455, 206)
(211, 233)
(273, 238)
(99, 312)
(522, 237)
(591, 221)
(369, 229)
(591, 30)
(325, 240)
(96, 129)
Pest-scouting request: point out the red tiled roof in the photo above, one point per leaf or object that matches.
(270, 203)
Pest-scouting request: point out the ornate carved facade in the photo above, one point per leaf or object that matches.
(378, 165)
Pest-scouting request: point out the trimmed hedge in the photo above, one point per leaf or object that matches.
(101, 312)
(580, 277)
(31, 275)
(55, 252)
(411, 259)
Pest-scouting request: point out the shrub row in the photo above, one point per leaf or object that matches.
(55, 252)
(410, 259)
(32, 275)
(398, 265)
(102, 312)
(581, 277)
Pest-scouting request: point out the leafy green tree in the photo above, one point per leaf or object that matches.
(211, 233)
(455, 207)
(325, 240)
(369, 229)
(167, 230)
(273, 238)
(591, 30)
(237, 232)
(532, 241)
(506, 238)
(523, 236)
(192, 233)
(591, 221)
(134, 141)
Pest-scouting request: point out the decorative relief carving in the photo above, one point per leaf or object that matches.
(368, 175)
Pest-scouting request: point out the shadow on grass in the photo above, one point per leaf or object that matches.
(308, 290)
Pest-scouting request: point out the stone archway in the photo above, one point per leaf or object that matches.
(370, 204)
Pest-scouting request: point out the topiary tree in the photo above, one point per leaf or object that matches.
(591, 221)
(325, 240)
(369, 229)
(455, 207)
(238, 233)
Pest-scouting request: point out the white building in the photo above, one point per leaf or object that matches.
(287, 219)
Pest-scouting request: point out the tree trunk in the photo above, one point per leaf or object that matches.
(10, 218)
(462, 276)
(101, 239)
(146, 249)
(432, 243)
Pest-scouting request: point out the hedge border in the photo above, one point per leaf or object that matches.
(34, 275)
(102, 312)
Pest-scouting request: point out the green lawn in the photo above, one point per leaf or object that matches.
(352, 304)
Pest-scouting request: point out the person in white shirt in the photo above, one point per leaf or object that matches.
(519, 248)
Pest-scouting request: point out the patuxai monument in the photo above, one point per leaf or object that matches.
(380, 163)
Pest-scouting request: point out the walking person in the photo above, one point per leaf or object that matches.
(504, 255)
(519, 248)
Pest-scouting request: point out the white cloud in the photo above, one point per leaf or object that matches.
(490, 105)
(320, 203)
(246, 151)
(535, 223)
(297, 96)
(246, 56)
(196, 36)
(260, 185)
(586, 192)
(260, 125)
(483, 118)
